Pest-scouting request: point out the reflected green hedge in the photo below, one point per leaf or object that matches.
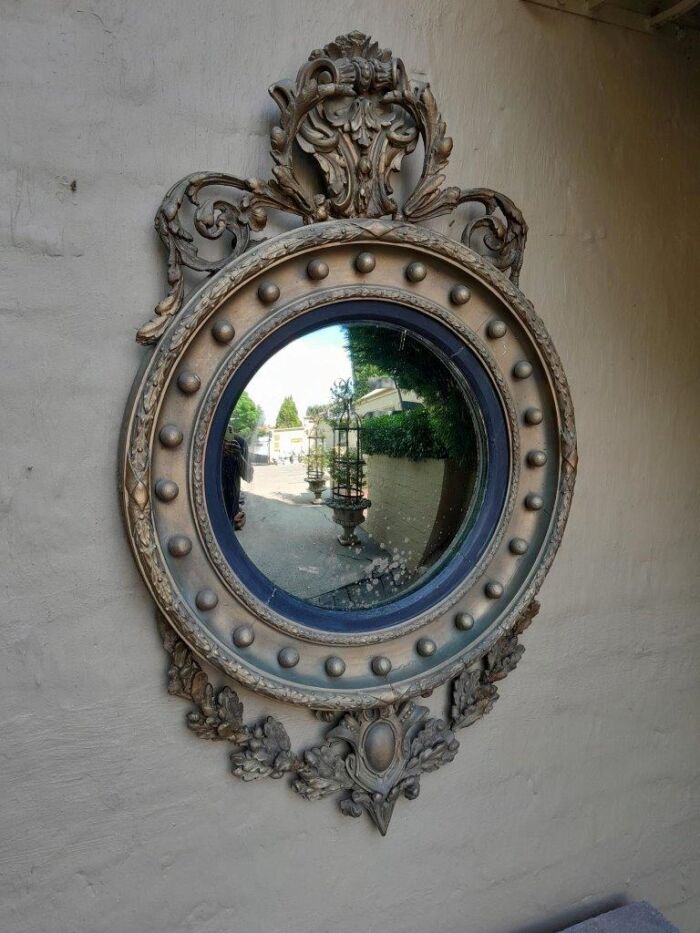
(413, 435)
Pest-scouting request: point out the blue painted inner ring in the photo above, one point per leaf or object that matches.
(474, 543)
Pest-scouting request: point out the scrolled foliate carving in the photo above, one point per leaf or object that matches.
(354, 110)
(212, 219)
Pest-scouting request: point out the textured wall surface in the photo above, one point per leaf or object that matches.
(580, 789)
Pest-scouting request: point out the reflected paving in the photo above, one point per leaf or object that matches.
(310, 555)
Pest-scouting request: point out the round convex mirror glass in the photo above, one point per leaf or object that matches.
(353, 465)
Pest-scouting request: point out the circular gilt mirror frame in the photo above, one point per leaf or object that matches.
(354, 110)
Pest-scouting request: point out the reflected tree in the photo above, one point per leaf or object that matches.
(288, 416)
(246, 417)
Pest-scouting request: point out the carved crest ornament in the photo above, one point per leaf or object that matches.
(355, 114)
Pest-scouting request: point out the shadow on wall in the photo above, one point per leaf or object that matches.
(564, 920)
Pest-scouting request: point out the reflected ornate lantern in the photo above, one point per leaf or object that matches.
(347, 465)
(316, 462)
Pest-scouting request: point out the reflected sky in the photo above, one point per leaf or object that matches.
(305, 369)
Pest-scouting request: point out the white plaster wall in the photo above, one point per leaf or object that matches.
(580, 790)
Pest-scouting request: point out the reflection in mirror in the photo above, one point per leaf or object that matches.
(353, 465)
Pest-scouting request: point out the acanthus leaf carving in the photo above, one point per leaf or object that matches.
(267, 752)
(322, 773)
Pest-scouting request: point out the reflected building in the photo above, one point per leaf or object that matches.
(287, 444)
(386, 399)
